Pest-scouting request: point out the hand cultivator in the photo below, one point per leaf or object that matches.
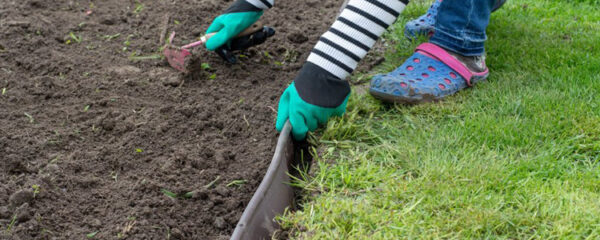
(254, 35)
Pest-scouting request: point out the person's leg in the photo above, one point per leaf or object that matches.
(424, 25)
(460, 26)
(452, 61)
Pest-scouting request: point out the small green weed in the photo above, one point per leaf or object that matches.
(127, 42)
(209, 185)
(168, 193)
(111, 37)
(173, 195)
(31, 119)
(36, 190)
(11, 224)
(139, 7)
(73, 37)
(114, 175)
(237, 183)
(133, 57)
(92, 234)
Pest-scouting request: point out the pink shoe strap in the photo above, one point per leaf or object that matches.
(443, 56)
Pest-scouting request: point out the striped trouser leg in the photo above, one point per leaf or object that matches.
(322, 79)
(353, 34)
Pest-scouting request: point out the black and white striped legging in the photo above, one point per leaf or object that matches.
(352, 35)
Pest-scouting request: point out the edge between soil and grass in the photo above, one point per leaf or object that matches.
(515, 157)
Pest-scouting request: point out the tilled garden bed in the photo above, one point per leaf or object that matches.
(100, 139)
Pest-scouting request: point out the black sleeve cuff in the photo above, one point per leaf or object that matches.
(317, 86)
(242, 6)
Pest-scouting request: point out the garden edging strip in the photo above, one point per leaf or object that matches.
(272, 197)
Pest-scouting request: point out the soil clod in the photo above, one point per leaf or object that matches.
(172, 81)
(20, 197)
(200, 194)
(220, 223)
(15, 165)
(126, 70)
(297, 37)
(96, 223)
(52, 168)
(24, 213)
(223, 191)
(176, 233)
(5, 213)
(108, 21)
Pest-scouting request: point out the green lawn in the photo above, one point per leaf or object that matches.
(512, 158)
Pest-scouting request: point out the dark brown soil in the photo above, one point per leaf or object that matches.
(94, 142)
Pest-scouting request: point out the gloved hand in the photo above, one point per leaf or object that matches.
(233, 21)
(321, 97)
(320, 90)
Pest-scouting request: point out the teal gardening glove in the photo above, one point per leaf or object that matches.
(313, 98)
(320, 90)
(239, 16)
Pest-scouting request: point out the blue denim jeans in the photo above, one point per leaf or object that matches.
(460, 26)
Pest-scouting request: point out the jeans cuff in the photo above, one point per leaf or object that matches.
(462, 43)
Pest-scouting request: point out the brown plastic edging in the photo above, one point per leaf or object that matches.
(273, 195)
